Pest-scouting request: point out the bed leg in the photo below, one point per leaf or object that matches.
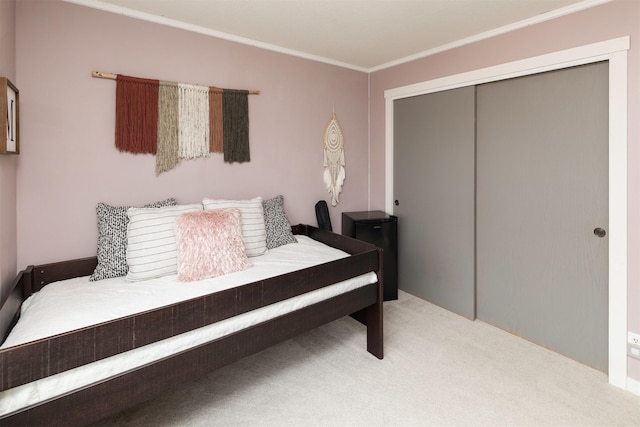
(373, 315)
(374, 329)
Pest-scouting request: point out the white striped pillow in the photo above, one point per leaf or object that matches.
(254, 234)
(151, 241)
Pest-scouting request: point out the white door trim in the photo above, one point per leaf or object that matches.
(615, 51)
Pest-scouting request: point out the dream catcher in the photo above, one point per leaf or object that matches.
(334, 173)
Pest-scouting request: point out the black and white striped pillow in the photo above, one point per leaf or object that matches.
(112, 239)
(151, 241)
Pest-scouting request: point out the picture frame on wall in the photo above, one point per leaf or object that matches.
(9, 117)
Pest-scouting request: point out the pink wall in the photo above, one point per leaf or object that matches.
(69, 163)
(8, 237)
(604, 22)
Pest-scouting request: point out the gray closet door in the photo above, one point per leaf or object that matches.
(542, 190)
(434, 186)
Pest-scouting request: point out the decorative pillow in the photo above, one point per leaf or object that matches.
(151, 241)
(276, 223)
(112, 239)
(210, 244)
(254, 234)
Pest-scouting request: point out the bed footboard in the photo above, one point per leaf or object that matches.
(371, 316)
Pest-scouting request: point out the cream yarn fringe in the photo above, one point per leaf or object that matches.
(193, 121)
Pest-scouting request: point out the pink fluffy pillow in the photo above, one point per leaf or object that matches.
(210, 244)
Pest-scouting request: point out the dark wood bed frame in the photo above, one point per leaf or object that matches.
(39, 359)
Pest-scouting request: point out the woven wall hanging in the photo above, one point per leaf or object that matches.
(334, 171)
(176, 121)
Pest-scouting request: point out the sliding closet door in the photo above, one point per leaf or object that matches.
(434, 188)
(542, 209)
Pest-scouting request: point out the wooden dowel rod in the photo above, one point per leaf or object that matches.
(102, 75)
(111, 76)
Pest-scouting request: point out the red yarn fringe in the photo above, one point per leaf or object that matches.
(136, 114)
(216, 130)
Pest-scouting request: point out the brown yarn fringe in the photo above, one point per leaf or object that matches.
(167, 156)
(216, 130)
(235, 106)
(136, 114)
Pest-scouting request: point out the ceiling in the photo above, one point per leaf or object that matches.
(360, 34)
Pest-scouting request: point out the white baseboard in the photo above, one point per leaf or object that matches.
(633, 386)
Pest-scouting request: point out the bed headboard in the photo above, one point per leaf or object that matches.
(11, 304)
(48, 273)
(34, 278)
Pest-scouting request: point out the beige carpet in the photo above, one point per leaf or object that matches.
(439, 370)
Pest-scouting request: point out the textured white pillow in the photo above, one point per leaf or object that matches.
(254, 234)
(151, 241)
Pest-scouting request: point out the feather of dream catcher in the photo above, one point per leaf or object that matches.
(334, 172)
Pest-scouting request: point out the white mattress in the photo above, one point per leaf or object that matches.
(75, 303)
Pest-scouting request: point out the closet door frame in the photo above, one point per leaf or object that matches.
(614, 51)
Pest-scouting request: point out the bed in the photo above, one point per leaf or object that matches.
(45, 359)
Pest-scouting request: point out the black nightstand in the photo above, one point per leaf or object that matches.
(380, 229)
